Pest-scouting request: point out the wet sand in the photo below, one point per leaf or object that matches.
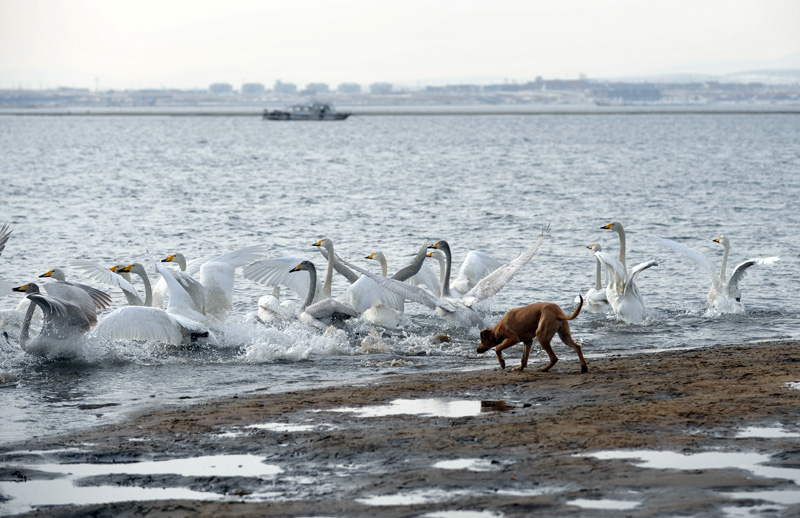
(534, 439)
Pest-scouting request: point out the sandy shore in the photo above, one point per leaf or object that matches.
(532, 442)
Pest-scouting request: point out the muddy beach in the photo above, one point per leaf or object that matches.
(471, 443)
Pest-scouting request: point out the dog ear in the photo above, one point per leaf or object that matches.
(486, 335)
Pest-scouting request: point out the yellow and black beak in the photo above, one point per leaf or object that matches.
(607, 226)
(370, 256)
(127, 269)
(47, 274)
(429, 254)
(435, 245)
(169, 259)
(318, 243)
(297, 268)
(718, 240)
(22, 288)
(590, 246)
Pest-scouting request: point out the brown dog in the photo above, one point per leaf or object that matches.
(541, 320)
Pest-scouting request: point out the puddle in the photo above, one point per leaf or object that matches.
(765, 433)
(463, 514)
(23, 496)
(752, 462)
(608, 504)
(427, 496)
(283, 427)
(794, 386)
(429, 408)
(755, 511)
(468, 464)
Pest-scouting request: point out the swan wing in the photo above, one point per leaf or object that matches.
(5, 233)
(616, 268)
(217, 277)
(62, 313)
(276, 272)
(475, 267)
(180, 302)
(701, 260)
(407, 291)
(414, 266)
(330, 308)
(101, 274)
(78, 294)
(497, 280)
(140, 323)
(365, 293)
(636, 270)
(741, 269)
(426, 277)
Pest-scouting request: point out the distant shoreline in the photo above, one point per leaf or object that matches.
(375, 111)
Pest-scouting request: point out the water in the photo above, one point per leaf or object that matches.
(111, 188)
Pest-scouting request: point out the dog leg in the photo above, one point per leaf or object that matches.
(549, 350)
(525, 354)
(505, 344)
(566, 337)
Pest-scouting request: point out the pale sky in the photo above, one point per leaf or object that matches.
(193, 43)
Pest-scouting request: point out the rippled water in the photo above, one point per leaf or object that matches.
(110, 188)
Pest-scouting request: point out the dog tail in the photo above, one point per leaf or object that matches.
(577, 310)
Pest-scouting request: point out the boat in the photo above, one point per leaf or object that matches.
(306, 112)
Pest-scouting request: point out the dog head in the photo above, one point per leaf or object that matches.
(487, 340)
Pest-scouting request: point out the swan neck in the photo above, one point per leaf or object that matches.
(384, 266)
(598, 284)
(312, 283)
(448, 263)
(326, 288)
(181, 260)
(24, 332)
(148, 290)
(726, 244)
(621, 233)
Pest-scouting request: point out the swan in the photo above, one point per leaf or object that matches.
(276, 272)
(5, 287)
(216, 276)
(622, 294)
(378, 305)
(476, 265)
(724, 295)
(326, 310)
(64, 323)
(113, 276)
(596, 300)
(176, 325)
(192, 286)
(424, 277)
(459, 310)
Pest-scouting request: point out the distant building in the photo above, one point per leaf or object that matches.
(381, 88)
(315, 89)
(221, 88)
(285, 88)
(349, 88)
(253, 89)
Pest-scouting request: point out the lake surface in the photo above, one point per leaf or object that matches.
(110, 189)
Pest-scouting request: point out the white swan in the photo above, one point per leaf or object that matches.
(64, 324)
(622, 293)
(424, 277)
(596, 299)
(459, 310)
(276, 272)
(192, 286)
(378, 305)
(324, 311)
(476, 266)
(177, 325)
(724, 295)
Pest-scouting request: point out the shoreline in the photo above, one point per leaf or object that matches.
(534, 435)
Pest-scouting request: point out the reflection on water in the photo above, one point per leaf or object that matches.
(65, 490)
(429, 408)
(604, 503)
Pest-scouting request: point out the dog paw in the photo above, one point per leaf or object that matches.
(584, 369)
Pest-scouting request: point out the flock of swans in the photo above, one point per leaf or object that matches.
(194, 299)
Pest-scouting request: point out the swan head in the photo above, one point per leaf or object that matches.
(614, 225)
(27, 288)
(324, 243)
(133, 268)
(440, 245)
(594, 247)
(55, 273)
(723, 240)
(305, 265)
